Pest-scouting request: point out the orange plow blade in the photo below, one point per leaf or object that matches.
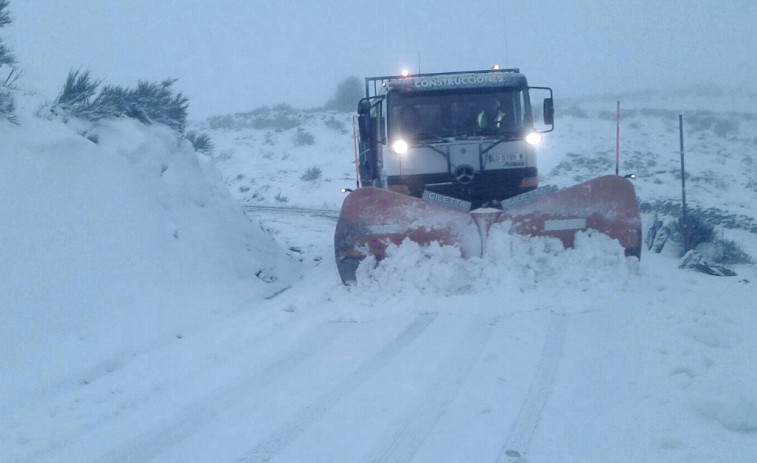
(372, 218)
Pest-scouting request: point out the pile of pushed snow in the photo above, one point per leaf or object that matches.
(113, 243)
(515, 262)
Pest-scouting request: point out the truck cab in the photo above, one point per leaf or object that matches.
(463, 139)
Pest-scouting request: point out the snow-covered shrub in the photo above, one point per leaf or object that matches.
(279, 117)
(698, 230)
(283, 107)
(701, 237)
(724, 128)
(200, 142)
(303, 138)
(76, 96)
(6, 57)
(336, 125)
(724, 252)
(7, 104)
(222, 122)
(149, 102)
(312, 174)
(348, 93)
(278, 122)
(707, 120)
(574, 111)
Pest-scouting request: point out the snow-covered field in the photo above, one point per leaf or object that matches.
(144, 316)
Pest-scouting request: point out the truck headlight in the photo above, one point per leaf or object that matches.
(533, 138)
(400, 147)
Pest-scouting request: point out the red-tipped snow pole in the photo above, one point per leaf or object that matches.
(617, 140)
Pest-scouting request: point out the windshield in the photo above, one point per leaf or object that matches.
(468, 113)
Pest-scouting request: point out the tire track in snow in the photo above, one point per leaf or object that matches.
(406, 435)
(306, 417)
(195, 415)
(524, 427)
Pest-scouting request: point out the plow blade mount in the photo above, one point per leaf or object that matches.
(372, 218)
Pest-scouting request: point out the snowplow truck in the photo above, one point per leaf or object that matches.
(443, 156)
(456, 135)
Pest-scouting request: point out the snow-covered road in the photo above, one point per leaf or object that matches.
(599, 365)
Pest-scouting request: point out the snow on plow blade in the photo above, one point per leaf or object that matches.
(372, 218)
(606, 204)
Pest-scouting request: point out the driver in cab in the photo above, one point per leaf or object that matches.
(491, 118)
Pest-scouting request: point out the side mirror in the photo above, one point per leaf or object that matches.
(364, 107)
(549, 111)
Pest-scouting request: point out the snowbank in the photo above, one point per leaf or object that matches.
(109, 247)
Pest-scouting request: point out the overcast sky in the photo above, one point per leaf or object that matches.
(237, 55)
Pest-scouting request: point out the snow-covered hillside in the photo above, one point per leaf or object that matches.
(144, 318)
(111, 249)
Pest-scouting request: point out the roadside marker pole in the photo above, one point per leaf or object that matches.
(357, 157)
(617, 140)
(683, 189)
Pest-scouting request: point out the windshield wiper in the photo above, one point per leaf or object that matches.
(502, 138)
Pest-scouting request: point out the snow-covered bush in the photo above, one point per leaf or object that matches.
(278, 122)
(6, 57)
(312, 174)
(700, 236)
(280, 117)
(303, 138)
(226, 122)
(348, 93)
(149, 102)
(77, 94)
(698, 231)
(720, 124)
(335, 124)
(724, 252)
(200, 142)
(7, 105)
